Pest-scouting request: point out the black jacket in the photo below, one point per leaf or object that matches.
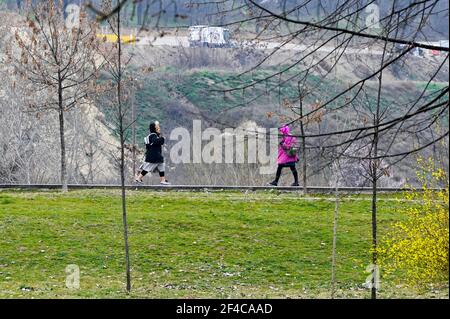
(153, 145)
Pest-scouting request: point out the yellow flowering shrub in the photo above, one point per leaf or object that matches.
(418, 246)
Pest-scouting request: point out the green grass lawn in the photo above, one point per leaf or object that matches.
(187, 245)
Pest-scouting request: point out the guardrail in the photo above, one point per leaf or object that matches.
(311, 189)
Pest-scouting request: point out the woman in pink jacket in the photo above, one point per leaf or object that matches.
(287, 155)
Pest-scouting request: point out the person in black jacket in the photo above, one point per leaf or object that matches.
(154, 161)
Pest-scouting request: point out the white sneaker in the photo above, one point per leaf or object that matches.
(165, 183)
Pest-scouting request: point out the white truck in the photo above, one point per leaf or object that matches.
(210, 37)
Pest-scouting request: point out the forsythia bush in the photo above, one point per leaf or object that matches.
(419, 245)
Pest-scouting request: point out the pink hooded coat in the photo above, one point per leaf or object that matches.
(286, 143)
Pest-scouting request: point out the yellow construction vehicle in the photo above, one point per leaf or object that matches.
(112, 38)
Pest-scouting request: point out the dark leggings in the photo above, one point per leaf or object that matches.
(293, 170)
(161, 174)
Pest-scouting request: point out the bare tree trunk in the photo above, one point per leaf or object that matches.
(302, 131)
(374, 172)
(61, 134)
(303, 146)
(124, 209)
(374, 175)
(335, 221)
(122, 156)
(91, 160)
(133, 126)
(374, 218)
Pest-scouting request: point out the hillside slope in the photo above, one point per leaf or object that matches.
(188, 84)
